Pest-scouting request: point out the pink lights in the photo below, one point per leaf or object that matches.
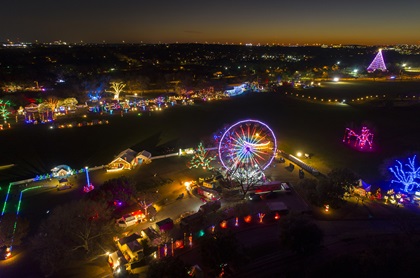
(362, 140)
(378, 63)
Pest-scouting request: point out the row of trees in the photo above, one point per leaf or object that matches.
(83, 230)
(330, 189)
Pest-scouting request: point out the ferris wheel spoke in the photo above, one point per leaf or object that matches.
(249, 145)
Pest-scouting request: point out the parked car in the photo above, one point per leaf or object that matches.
(64, 187)
(254, 197)
(5, 252)
(285, 187)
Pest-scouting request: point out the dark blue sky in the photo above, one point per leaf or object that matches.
(232, 21)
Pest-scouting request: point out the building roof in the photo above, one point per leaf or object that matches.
(128, 155)
(151, 233)
(164, 222)
(134, 246)
(145, 154)
(128, 239)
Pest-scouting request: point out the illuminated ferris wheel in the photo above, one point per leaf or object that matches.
(249, 145)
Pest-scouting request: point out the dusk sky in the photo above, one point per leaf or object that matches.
(231, 21)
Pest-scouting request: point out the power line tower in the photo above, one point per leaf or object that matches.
(377, 63)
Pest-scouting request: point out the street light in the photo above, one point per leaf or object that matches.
(299, 154)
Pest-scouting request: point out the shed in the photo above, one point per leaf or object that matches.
(165, 225)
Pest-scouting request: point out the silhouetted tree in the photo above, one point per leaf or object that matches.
(167, 267)
(299, 234)
(8, 233)
(343, 177)
(119, 189)
(75, 231)
(219, 248)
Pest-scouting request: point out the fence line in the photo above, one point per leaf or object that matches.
(302, 164)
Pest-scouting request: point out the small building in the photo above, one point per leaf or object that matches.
(211, 206)
(131, 247)
(128, 159)
(144, 156)
(192, 222)
(61, 171)
(153, 236)
(124, 160)
(165, 225)
(116, 259)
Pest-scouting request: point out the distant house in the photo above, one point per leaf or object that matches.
(124, 160)
(128, 159)
(61, 171)
(131, 247)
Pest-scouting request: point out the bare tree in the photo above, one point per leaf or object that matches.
(43, 109)
(52, 102)
(245, 178)
(75, 231)
(117, 87)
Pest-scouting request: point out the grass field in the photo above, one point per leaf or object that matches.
(309, 127)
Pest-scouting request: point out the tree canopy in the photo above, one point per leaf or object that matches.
(330, 189)
(8, 233)
(219, 248)
(168, 267)
(119, 189)
(77, 230)
(299, 234)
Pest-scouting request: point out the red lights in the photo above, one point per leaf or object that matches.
(248, 219)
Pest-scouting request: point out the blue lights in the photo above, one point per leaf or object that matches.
(408, 178)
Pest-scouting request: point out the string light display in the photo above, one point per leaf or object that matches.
(362, 140)
(4, 109)
(378, 63)
(201, 158)
(248, 144)
(5, 200)
(409, 178)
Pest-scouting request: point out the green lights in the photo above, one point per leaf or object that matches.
(18, 208)
(5, 201)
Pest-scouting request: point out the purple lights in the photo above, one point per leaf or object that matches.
(378, 63)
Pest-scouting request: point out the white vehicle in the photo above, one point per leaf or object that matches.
(127, 221)
(285, 187)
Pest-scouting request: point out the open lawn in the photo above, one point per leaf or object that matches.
(310, 127)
